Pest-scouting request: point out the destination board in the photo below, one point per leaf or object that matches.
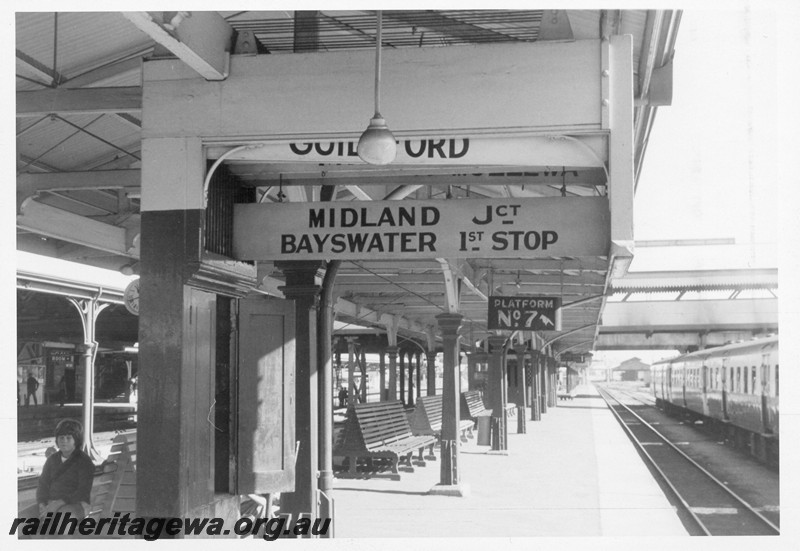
(463, 228)
(524, 313)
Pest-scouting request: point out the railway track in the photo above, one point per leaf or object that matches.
(709, 506)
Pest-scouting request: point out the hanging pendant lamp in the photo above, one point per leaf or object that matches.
(377, 145)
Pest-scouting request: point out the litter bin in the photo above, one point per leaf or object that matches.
(484, 430)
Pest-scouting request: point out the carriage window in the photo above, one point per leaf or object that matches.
(753, 381)
(737, 381)
(745, 379)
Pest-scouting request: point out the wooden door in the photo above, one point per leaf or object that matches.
(265, 405)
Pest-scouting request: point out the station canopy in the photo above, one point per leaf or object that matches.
(79, 149)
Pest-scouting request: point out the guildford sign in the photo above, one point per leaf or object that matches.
(463, 228)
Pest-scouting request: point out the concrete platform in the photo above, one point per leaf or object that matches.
(574, 473)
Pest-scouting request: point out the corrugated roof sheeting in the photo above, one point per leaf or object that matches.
(415, 28)
(70, 148)
(85, 40)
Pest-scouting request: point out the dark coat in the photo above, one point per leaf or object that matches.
(70, 480)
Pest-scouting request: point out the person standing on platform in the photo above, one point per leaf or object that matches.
(33, 386)
(65, 484)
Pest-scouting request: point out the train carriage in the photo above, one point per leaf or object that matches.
(734, 387)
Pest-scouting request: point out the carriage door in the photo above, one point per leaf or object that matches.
(668, 379)
(684, 375)
(725, 377)
(704, 382)
(764, 392)
(265, 399)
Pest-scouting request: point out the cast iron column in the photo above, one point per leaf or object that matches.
(419, 375)
(536, 414)
(392, 352)
(543, 383)
(382, 367)
(302, 287)
(449, 483)
(410, 379)
(351, 371)
(498, 392)
(520, 349)
(402, 370)
(430, 358)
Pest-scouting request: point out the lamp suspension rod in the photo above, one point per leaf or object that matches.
(378, 48)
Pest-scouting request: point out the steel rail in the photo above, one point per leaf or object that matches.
(604, 392)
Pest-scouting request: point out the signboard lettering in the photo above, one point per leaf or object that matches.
(524, 313)
(431, 148)
(467, 228)
(462, 152)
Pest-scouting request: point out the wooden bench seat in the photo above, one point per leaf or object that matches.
(379, 430)
(427, 418)
(115, 490)
(472, 406)
(562, 394)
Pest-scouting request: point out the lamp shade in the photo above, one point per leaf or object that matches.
(377, 145)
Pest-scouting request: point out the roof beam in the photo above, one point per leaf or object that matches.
(669, 340)
(31, 184)
(65, 101)
(130, 65)
(362, 314)
(582, 177)
(36, 71)
(60, 224)
(199, 39)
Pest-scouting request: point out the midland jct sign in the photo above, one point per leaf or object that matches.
(396, 230)
(525, 313)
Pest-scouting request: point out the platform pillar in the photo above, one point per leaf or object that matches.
(419, 374)
(382, 376)
(351, 371)
(411, 379)
(449, 483)
(430, 360)
(498, 392)
(536, 414)
(303, 287)
(521, 349)
(543, 383)
(402, 371)
(392, 352)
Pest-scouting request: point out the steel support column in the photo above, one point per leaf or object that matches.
(88, 309)
(449, 483)
(392, 352)
(430, 360)
(498, 392)
(302, 286)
